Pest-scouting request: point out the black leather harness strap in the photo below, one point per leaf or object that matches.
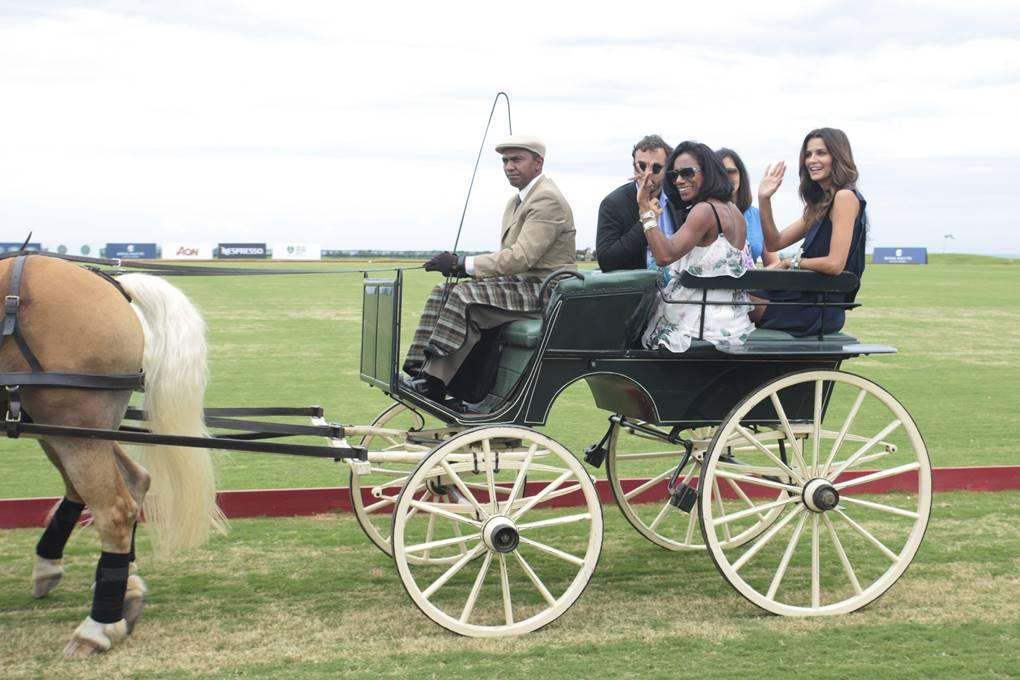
(95, 382)
(12, 303)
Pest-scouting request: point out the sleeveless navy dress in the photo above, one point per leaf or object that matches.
(801, 321)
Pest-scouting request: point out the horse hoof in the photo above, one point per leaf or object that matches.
(134, 601)
(45, 576)
(92, 637)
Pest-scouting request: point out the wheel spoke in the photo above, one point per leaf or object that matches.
(550, 600)
(521, 476)
(462, 487)
(849, 462)
(490, 478)
(436, 510)
(648, 455)
(555, 552)
(816, 434)
(867, 536)
(556, 521)
(875, 476)
(764, 539)
(721, 508)
(757, 481)
(504, 583)
(441, 543)
(851, 416)
(456, 529)
(787, 556)
(452, 571)
(387, 500)
(910, 514)
(661, 516)
(848, 568)
(798, 454)
(816, 587)
(476, 588)
(754, 510)
(749, 436)
(541, 495)
(740, 493)
(689, 536)
(428, 532)
(649, 484)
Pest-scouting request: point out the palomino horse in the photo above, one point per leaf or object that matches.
(74, 321)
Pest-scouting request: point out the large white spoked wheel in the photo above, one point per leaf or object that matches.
(375, 487)
(529, 528)
(856, 493)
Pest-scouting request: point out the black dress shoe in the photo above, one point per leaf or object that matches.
(426, 385)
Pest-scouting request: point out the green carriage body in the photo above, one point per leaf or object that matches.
(591, 331)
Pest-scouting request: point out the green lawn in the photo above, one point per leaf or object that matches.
(308, 598)
(296, 341)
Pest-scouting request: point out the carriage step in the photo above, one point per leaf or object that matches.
(595, 454)
(683, 497)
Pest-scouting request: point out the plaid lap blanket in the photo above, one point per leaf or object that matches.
(443, 328)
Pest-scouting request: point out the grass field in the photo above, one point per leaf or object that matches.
(296, 341)
(309, 597)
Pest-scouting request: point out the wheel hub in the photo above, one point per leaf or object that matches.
(820, 496)
(500, 534)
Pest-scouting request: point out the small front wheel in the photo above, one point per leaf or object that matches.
(527, 550)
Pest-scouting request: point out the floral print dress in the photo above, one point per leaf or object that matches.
(675, 323)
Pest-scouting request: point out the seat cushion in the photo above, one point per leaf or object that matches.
(524, 333)
(769, 335)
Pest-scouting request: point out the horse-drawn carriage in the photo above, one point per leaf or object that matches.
(809, 487)
(768, 447)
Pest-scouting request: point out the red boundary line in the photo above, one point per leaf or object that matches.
(18, 513)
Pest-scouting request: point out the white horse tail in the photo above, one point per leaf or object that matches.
(180, 508)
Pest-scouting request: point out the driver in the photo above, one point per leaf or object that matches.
(536, 239)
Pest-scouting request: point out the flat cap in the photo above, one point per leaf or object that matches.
(522, 142)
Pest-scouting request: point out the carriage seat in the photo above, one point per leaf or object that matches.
(595, 309)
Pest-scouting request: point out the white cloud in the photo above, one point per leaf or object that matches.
(344, 122)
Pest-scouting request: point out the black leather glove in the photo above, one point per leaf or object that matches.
(447, 263)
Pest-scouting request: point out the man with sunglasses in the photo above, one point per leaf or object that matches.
(537, 237)
(620, 240)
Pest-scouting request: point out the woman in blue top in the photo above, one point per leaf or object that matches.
(737, 172)
(833, 227)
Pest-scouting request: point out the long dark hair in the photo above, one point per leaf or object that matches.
(817, 200)
(743, 197)
(716, 184)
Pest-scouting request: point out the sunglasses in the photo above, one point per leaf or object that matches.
(687, 173)
(643, 166)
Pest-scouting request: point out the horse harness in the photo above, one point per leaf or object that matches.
(38, 376)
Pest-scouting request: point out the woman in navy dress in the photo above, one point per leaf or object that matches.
(833, 227)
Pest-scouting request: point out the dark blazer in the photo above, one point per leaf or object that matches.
(620, 241)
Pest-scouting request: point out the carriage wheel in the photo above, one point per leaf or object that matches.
(857, 493)
(375, 515)
(530, 526)
(634, 455)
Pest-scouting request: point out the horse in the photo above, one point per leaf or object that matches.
(73, 321)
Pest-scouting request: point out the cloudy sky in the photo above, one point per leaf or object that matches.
(356, 125)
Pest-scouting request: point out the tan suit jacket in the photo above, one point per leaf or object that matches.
(536, 238)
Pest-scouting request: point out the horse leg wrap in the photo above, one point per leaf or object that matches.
(54, 538)
(111, 583)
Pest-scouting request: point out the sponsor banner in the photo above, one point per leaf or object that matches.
(9, 247)
(236, 251)
(131, 251)
(297, 251)
(83, 249)
(181, 250)
(900, 256)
